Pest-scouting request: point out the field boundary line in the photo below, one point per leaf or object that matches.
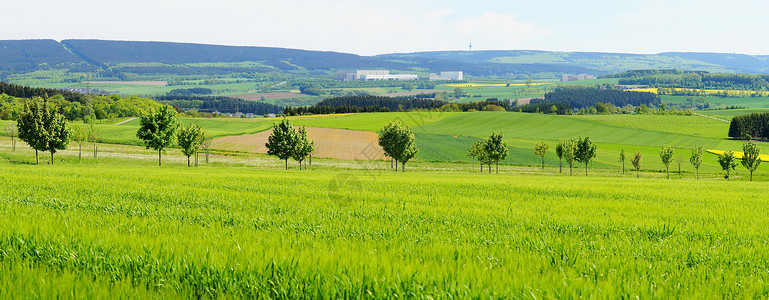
(126, 121)
(714, 118)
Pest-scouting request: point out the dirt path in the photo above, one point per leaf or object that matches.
(709, 117)
(126, 121)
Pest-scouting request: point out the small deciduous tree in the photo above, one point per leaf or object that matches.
(475, 151)
(10, 131)
(281, 141)
(622, 159)
(559, 152)
(495, 149)
(303, 146)
(399, 142)
(42, 128)
(569, 155)
(696, 159)
(93, 135)
(206, 145)
(728, 162)
(541, 150)
(190, 138)
(666, 155)
(158, 129)
(751, 157)
(585, 151)
(80, 136)
(637, 160)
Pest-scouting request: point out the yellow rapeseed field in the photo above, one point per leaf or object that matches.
(738, 155)
(461, 85)
(705, 91)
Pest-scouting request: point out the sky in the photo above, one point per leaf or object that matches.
(399, 26)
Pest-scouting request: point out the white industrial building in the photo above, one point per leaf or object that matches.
(570, 77)
(450, 75)
(373, 75)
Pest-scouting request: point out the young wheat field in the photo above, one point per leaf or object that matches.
(89, 230)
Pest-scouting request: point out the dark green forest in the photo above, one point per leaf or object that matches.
(583, 97)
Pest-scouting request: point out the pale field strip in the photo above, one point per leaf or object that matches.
(330, 143)
(151, 83)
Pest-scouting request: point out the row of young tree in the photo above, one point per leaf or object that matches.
(489, 151)
(160, 129)
(44, 129)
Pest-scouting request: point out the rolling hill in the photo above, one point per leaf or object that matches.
(115, 57)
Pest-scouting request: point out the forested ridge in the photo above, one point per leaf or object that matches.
(693, 79)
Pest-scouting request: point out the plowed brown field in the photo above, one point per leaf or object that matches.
(331, 143)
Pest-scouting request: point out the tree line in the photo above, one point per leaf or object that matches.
(581, 97)
(210, 104)
(693, 79)
(91, 107)
(358, 104)
(363, 104)
(20, 91)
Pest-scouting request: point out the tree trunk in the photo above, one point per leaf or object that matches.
(159, 157)
(286, 163)
(396, 167)
(667, 170)
(403, 167)
(13, 141)
(481, 167)
(391, 162)
(586, 169)
(543, 162)
(310, 160)
(636, 174)
(570, 170)
(196, 159)
(623, 167)
(497, 167)
(188, 161)
(698, 173)
(206, 156)
(560, 165)
(751, 175)
(489, 168)
(79, 152)
(37, 158)
(51, 157)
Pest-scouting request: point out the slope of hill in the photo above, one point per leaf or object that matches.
(602, 62)
(114, 57)
(28, 55)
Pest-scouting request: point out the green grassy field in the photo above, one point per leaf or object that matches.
(727, 114)
(243, 232)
